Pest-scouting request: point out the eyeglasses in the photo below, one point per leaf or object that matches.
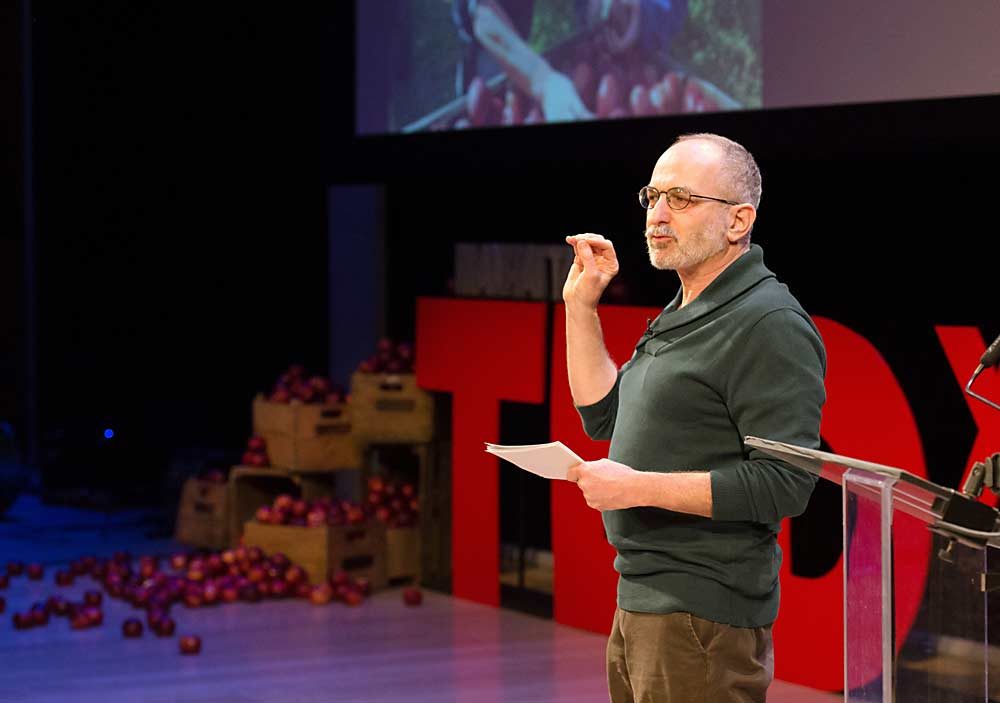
(678, 198)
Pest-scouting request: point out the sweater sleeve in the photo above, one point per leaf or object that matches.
(599, 418)
(774, 390)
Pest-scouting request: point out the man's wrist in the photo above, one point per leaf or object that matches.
(580, 311)
(638, 489)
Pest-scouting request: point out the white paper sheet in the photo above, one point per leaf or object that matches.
(550, 460)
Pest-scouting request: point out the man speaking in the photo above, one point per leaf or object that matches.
(691, 511)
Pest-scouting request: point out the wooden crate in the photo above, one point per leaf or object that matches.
(307, 437)
(358, 550)
(331, 451)
(201, 515)
(298, 419)
(250, 488)
(402, 553)
(391, 408)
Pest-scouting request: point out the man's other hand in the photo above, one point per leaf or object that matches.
(606, 484)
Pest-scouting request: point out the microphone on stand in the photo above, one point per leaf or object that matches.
(991, 356)
(989, 359)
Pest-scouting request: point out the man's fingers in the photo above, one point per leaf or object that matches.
(574, 473)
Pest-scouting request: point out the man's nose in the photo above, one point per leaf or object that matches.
(661, 212)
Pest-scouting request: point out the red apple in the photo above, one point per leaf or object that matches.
(229, 593)
(190, 644)
(263, 514)
(609, 95)
(132, 627)
(148, 566)
(196, 570)
(210, 594)
(583, 81)
(22, 621)
(3, 604)
(165, 627)
(64, 578)
(94, 615)
(413, 596)
(320, 384)
(281, 395)
(256, 444)
(178, 561)
(280, 588)
(316, 517)
(408, 490)
(295, 575)
(4, 581)
(321, 594)
(35, 572)
(257, 459)
(299, 508)
(15, 568)
(92, 598)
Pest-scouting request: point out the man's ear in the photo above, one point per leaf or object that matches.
(741, 219)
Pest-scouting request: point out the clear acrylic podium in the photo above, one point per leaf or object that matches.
(945, 656)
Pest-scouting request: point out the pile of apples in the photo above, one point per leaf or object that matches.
(119, 580)
(195, 580)
(256, 452)
(639, 90)
(390, 357)
(394, 503)
(294, 385)
(320, 512)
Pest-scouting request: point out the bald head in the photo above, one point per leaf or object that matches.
(736, 174)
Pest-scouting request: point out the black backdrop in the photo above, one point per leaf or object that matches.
(182, 158)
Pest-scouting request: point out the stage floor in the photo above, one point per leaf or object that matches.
(289, 651)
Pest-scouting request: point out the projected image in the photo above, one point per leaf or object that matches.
(456, 64)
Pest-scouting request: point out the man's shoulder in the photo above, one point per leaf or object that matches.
(769, 296)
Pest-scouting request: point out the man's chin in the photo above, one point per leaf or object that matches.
(661, 263)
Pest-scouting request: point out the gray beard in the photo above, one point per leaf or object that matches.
(698, 248)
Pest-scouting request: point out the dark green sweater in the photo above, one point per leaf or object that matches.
(742, 359)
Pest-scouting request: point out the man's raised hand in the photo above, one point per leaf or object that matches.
(594, 265)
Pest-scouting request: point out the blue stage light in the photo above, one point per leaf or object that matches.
(109, 433)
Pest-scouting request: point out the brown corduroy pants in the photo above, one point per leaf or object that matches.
(680, 658)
